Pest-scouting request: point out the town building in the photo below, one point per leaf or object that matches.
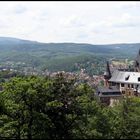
(120, 83)
(127, 82)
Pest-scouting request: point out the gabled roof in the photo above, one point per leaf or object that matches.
(106, 89)
(125, 77)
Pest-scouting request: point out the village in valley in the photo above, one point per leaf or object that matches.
(69, 70)
(121, 78)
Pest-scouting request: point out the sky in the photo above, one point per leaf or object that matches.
(80, 22)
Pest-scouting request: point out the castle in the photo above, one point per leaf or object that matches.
(120, 83)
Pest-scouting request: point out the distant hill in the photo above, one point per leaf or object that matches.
(18, 45)
(41, 54)
(8, 40)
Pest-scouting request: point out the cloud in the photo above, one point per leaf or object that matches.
(124, 21)
(129, 5)
(19, 9)
(72, 21)
(89, 22)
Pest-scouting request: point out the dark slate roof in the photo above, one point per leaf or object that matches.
(106, 89)
(112, 91)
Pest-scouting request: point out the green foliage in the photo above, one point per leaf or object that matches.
(37, 107)
(93, 65)
(61, 56)
(34, 107)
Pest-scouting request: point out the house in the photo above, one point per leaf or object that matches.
(120, 83)
(127, 82)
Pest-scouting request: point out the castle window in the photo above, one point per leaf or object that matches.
(138, 79)
(122, 85)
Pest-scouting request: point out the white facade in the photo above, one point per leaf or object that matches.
(126, 81)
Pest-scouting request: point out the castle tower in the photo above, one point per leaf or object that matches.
(137, 63)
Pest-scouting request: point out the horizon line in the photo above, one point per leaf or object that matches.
(68, 42)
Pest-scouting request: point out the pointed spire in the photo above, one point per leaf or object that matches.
(108, 69)
(139, 51)
(107, 73)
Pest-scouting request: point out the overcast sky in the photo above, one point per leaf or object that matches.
(83, 22)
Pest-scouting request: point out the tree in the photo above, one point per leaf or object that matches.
(125, 119)
(39, 107)
(22, 105)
